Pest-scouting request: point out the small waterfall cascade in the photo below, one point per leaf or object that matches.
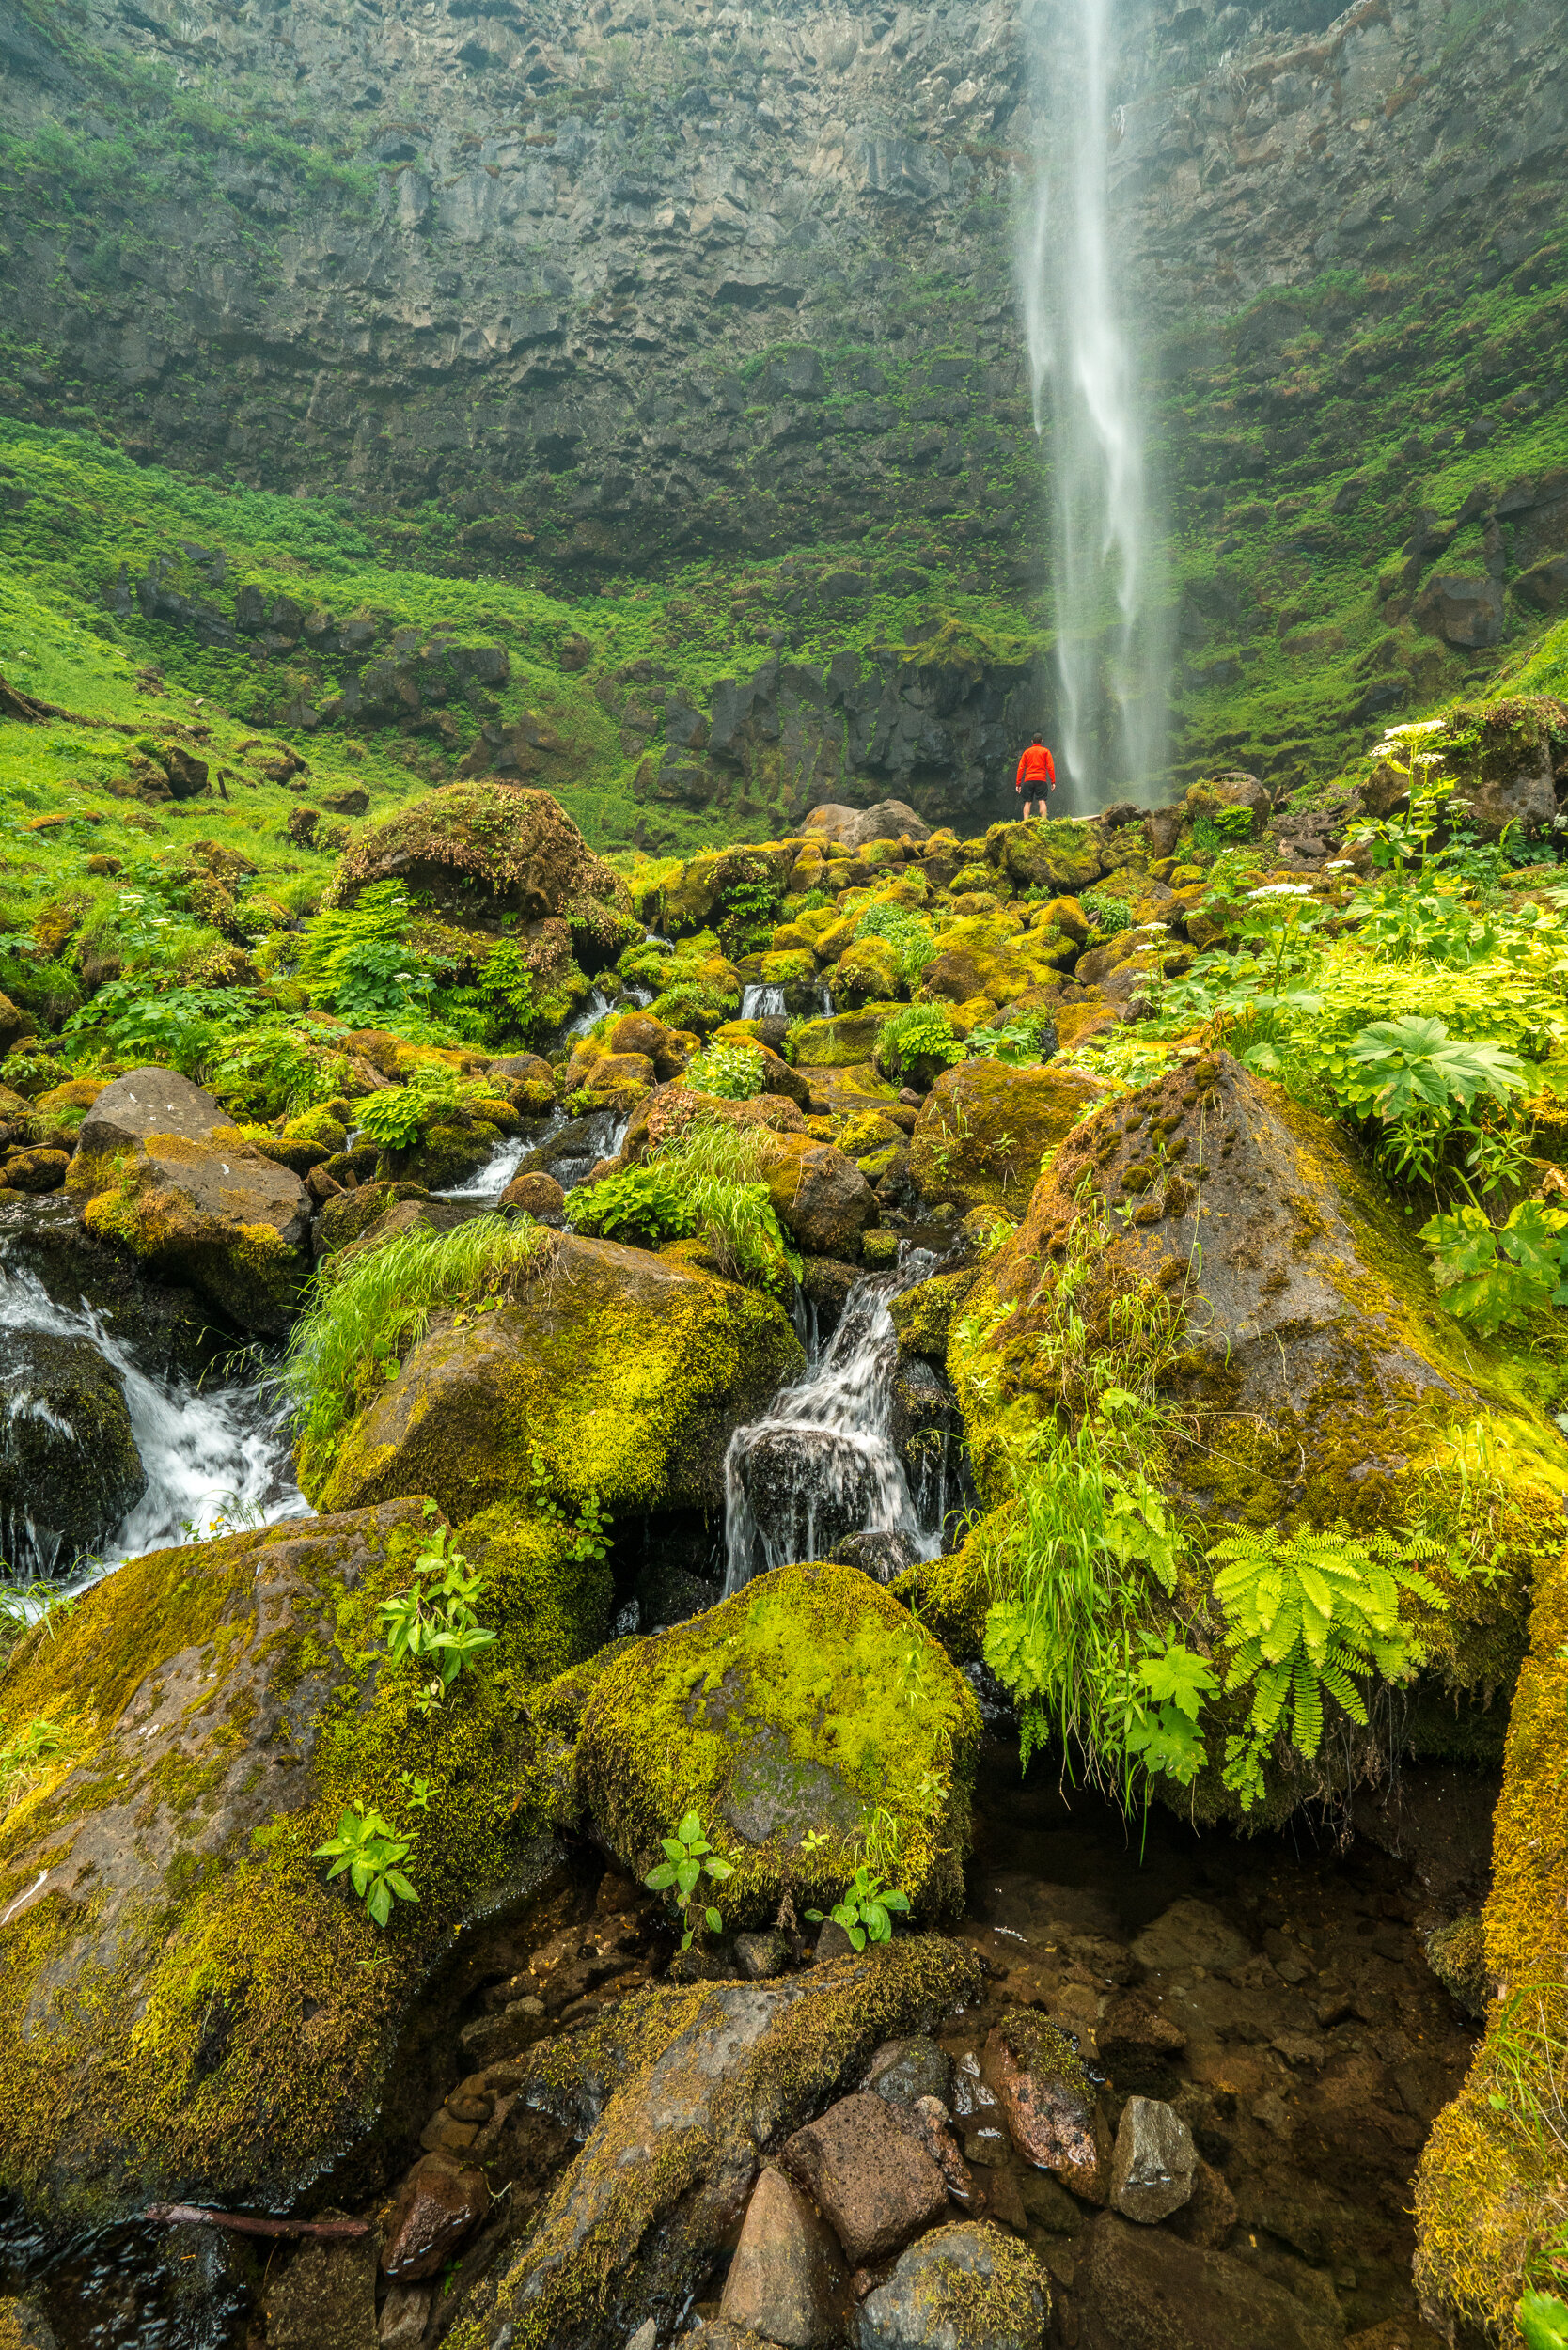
(219, 1453)
(593, 1010)
(762, 1003)
(1112, 633)
(823, 1464)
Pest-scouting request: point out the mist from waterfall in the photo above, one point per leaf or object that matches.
(1112, 633)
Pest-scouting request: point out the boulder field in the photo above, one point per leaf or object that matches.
(606, 1935)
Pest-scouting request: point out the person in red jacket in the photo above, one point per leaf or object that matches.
(1036, 766)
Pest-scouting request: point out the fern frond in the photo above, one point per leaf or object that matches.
(1308, 1707)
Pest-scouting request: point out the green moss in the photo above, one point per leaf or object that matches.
(214, 2015)
(807, 1701)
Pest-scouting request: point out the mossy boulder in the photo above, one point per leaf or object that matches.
(160, 1170)
(473, 852)
(818, 1194)
(68, 1465)
(684, 2091)
(186, 2006)
(985, 1130)
(780, 1713)
(1488, 2188)
(962, 2287)
(624, 1373)
(1047, 852)
(844, 1041)
(1315, 1379)
(701, 892)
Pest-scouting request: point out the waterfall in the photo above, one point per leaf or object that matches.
(215, 1453)
(822, 1465)
(761, 1003)
(1112, 648)
(593, 1010)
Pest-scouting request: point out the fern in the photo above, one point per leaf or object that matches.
(1307, 1614)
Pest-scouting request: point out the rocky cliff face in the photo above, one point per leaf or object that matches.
(583, 298)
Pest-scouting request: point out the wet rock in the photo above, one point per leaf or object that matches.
(1142, 2289)
(880, 1556)
(984, 1128)
(624, 1372)
(35, 1171)
(819, 1196)
(69, 1465)
(404, 2316)
(1048, 2101)
(774, 1715)
(876, 2186)
(929, 2123)
(1191, 1934)
(680, 2092)
(758, 1957)
(322, 2295)
(903, 2070)
(1210, 2213)
(159, 1168)
(1136, 2041)
(826, 1283)
(437, 2204)
(536, 1194)
(787, 2280)
(965, 2287)
(166, 1330)
(218, 1670)
(1153, 2163)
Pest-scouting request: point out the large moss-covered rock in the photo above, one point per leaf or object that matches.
(624, 1373)
(1046, 853)
(841, 1043)
(476, 850)
(818, 1194)
(185, 2005)
(1317, 1382)
(1489, 2187)
(160, 1170)
(984, 1129)
(783, 1711)
(678, 2094)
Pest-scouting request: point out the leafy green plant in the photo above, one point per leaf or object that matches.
(355, 961)
(436, 1616)
(371, 1851)
(363, 1313)
(719, 1173)
(587, 1533)
(499, 1003)
(267, 1069)
(688, 1859)
(907, 933)
(1018, 1042)
(395, 1118)
(865, 1909)
(1488, 1274)
(1108, 914)
(916, 1034)
(646, 1205)
(175, 1028)
(1543, 2320)
(751, 908)
(1307, 1614)
(1419, 1085)
(732, 1073)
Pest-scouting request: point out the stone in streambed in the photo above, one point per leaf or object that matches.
(777, 1715)
(902, 2071)
(677, 2095)
(69, 1465)
(538, 1194)
(787, 2280)
(626, 1373)
(965, 2287)
(321, 2294)
(437, 2204)
(876, 2185)
(159, 1169)
(1143, 2289)
(1048, 2101)
(1153, 2163)
(985, 1129)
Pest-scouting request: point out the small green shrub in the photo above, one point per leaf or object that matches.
(1108, 915)
(688, 1859)
(373, 1852)
(1309, 1613)
(865, 1909)
(908, 935)
(1490, 1275)
(1419, 1087)
(732, 1072)
(916, 1033)
(717, 1170)
(1026, 1038)
(395, 1118)
(644, 1205)
(436, 1616)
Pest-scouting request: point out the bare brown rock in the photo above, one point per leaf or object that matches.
(787, 2280)
(876, 2185)
(437, 2204)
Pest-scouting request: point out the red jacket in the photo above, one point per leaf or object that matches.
(1036, 766)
